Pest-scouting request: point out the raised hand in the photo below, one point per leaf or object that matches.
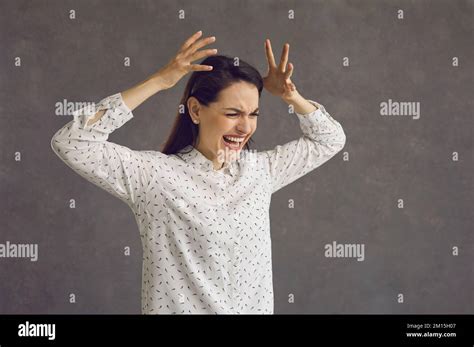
(278, 81)
(180, 64)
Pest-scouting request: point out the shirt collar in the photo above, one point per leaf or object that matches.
(191, 155)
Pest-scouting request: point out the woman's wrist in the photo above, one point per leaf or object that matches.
(136, 95)
(295, 96)
(300, 104)
(156, 82)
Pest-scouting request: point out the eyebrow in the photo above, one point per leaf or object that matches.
(236, 109)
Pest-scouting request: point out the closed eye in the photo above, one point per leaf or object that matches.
(237, 114)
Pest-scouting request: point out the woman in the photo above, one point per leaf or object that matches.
(202, 203)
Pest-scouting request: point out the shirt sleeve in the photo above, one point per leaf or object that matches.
(84, 148)
(323, 137)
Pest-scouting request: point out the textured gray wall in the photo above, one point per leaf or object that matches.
(354, 198)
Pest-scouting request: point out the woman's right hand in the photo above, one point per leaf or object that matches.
(180, 64)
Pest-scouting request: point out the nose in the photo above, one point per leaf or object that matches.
(244, 125)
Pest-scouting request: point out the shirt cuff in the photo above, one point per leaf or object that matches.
(316, 120)
(308, 119)
(117, 113)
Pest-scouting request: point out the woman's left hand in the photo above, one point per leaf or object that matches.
(278, 81)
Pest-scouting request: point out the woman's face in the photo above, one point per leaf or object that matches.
(226, 125)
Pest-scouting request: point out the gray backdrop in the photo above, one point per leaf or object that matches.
(418, 257)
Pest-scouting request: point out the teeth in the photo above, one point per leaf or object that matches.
(235, 139)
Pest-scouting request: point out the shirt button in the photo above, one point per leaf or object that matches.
(180, 203)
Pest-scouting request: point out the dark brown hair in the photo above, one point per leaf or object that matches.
(205, 87)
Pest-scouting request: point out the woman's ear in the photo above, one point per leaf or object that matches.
(194, 107)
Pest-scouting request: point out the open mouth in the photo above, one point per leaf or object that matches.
(232, 142)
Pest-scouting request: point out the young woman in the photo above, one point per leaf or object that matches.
(202, 203)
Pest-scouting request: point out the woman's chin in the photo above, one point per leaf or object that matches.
(230, 153)
(231, 149)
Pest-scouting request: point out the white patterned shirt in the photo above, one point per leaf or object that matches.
(205, 233)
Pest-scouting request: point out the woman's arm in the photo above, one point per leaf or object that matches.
(300, 104)
(85, 148)
(169, 75)
(323, 137)
(136, 95)
(83, 142)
